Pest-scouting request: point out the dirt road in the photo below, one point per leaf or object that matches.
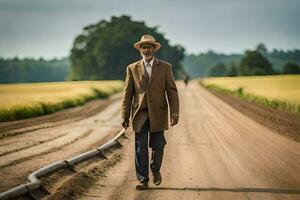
(215, 152)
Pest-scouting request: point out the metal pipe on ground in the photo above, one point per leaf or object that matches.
(55, 166)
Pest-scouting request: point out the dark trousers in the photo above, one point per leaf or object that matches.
(157, 142)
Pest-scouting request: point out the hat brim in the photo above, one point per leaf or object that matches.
(157, 45)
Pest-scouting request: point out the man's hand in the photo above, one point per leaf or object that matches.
(174, 119)
(125, 123)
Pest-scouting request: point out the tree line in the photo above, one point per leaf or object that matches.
(16, 70)
(259, 61)
(256, 62)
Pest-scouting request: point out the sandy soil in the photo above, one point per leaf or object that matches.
(71, 132)
(215, 152)
(282, 122)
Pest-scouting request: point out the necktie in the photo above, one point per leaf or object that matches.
(148, 67)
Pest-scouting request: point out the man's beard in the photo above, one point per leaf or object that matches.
(145, 57)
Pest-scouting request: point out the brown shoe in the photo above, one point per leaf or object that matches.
(156, 178)
(142, 186)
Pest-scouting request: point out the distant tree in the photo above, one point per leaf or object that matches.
(254, 63)
(232, 70)
(104, 49)
(261, 48)
(258, 71)
(218, 70)
(291, 68)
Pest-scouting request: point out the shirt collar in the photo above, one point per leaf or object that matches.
(151, 61)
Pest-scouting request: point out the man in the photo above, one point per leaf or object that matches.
(186, 79)
(148, 83)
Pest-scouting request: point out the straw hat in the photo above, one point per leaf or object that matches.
(149, 40)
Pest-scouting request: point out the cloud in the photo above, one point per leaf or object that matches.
(47, 27)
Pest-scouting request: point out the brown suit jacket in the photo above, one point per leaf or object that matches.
(137, 94)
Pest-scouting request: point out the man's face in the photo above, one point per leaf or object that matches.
(147, 50)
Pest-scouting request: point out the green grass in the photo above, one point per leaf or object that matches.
(281, 92)
(21, 101)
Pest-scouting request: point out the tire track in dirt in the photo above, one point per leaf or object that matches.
(44, 152)
(4, 148)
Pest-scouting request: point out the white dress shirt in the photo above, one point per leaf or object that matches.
(148, 66)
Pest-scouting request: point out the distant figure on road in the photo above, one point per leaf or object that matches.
(186, 79)
(146, 82)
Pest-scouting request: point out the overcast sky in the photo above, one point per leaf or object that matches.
(46, 28)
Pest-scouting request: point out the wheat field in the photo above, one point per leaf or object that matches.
(283, 89)
(18, 101)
